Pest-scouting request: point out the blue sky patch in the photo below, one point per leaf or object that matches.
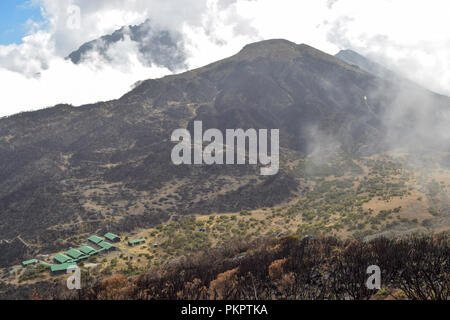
(13, 17)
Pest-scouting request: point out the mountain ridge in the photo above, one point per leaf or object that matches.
(106, 166)
(156, 46)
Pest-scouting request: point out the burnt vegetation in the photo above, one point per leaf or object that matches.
(289, 267)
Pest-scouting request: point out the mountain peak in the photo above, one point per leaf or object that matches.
(274, 48)
(282, 50)
(157, 46)
(355, 59)
(270, 44)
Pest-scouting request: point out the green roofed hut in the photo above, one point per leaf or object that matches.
(61, 268)
(136, 242)
(62, 258)
(74, 253)
(95, 239)
(106, 245)
(112, 237)
(29, 262)
(87, 250)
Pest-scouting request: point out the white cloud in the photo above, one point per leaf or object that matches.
(64, 82)
(30, 57)
(408, 36)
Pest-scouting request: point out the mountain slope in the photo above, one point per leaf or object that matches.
(69, 170)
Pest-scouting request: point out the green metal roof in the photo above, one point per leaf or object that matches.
(28, 262)
(111, 236)
(87, 249)
(105, 245)
(62, 258)
(61, 267)
(95, 239)
(74, 253)
(136, 241)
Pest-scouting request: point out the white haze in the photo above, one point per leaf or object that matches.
(65, 82)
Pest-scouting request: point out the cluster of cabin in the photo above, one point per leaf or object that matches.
(69, 259)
